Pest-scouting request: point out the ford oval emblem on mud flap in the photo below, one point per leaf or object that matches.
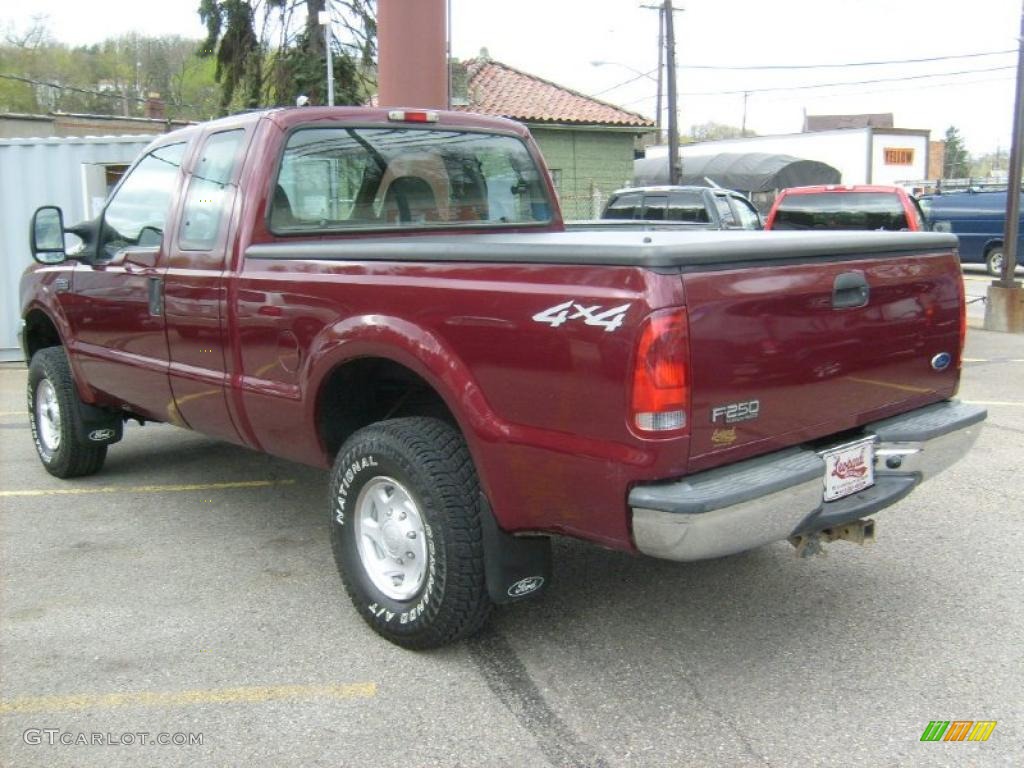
(99, 435)
(941, 361)
(526, 586)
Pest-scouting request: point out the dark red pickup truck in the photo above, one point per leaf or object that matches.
(393, 294)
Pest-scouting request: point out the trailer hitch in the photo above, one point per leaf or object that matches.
(810, 544)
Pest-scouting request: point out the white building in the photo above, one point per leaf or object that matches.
(74, 173)
(868, 155)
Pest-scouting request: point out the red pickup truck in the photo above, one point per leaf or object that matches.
(392, 293)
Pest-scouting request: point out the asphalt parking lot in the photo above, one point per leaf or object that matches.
(189, 590)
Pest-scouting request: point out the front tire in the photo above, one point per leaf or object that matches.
(54, 417)
(994, 261)
(405, 531)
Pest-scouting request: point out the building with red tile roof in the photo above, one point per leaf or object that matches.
(494, 88)
(589, 144)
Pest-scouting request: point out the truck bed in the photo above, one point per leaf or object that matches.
(648, 249)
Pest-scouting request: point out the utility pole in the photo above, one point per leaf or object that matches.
(743, 128)
(661, 70)
(673, 117)
(1004, 309)
(1014, 176)
(325, 19)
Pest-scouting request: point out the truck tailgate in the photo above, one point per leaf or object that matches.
(782, 353)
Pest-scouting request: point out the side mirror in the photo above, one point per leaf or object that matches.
(47, 235)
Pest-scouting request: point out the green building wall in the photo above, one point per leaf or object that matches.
(585, 160)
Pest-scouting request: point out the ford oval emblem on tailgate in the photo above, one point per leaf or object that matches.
(941, 361)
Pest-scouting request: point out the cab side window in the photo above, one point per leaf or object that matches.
(207, 196)
(137, 214)
(724, 211)
(746, 214)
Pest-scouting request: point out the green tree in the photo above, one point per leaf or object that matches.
(712, 131)
(112, 77)
(956, 164)
(273, 50)
(21, 52)
(231, 38)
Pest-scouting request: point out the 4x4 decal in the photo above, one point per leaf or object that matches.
(609, 319)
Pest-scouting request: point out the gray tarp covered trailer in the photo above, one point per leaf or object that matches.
(748, 172)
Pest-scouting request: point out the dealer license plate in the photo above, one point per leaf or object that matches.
(849, 468)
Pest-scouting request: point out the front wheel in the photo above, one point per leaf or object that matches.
(994, 261)
(53, 410)
(406, 534)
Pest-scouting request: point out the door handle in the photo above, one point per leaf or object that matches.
(850, 290)
(155, 287)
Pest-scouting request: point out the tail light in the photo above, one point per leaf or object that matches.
(660, 400)
(961, 293)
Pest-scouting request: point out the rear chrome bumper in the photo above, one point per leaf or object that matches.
(770, 498)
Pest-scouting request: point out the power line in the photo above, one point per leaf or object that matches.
(872, 91)
(835, 94)
(649, 73)
(843, 66)
(91, 92)
(844, 83)
(625, 82)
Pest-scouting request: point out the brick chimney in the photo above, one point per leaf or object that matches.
(413, 53)
(155, 107)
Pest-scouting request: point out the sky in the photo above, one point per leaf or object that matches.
(560, 40)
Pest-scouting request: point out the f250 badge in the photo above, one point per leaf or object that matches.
(609, 319)
(736, 412)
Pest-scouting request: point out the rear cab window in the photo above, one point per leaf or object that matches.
(624, 206)
(841, 210)
(655, 207)
(350, 178)
(687, 206)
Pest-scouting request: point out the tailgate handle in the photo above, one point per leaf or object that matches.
(850, 290)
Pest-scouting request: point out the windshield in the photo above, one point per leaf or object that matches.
(342, 178)
(841, 210)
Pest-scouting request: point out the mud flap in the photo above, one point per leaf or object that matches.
(98, 426)
(516, 567)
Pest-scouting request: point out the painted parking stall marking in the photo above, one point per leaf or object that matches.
(172, 488)
(246, 695)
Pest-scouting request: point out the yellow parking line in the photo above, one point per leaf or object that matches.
(148, 488)
(250, 695)
(13, 413)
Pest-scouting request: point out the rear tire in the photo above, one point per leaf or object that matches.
(994, 261)
(54, 417)
(405, 531)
